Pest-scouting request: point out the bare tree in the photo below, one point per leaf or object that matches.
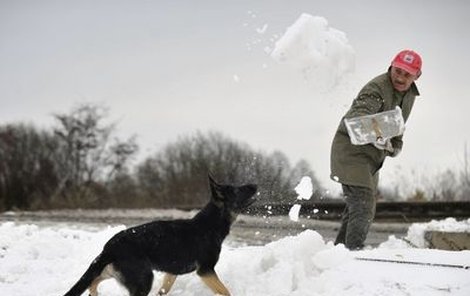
(89, 155)
(465, 177)
(28, 174)
(178, 174)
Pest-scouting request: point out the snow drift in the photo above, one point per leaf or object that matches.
(47, 260)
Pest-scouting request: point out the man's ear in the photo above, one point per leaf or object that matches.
(418, 75)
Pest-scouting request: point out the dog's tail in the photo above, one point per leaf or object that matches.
(93, 271)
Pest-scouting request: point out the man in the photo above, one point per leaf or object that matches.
(357, 167)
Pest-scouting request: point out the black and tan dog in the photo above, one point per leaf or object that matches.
(173, 247)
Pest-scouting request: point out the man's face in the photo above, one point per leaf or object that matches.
(401, 79)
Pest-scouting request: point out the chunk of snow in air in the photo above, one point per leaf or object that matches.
(319, 52)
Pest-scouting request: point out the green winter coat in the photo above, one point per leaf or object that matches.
(359, 165)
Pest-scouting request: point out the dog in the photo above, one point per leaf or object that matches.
(174, 247)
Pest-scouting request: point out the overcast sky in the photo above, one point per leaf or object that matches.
(169, 68)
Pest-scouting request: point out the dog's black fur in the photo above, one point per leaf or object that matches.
(174, 247)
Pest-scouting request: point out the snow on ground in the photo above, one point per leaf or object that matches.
(47, 260)
(415, 232)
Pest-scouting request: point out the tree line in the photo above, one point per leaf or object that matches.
(80, 162)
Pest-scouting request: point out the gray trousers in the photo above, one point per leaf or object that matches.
(357, 216)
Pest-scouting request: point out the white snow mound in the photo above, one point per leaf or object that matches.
(48, 260)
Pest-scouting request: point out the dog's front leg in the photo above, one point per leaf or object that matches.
(213, 282)
(168, 281)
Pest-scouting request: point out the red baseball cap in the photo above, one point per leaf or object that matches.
(409, 61)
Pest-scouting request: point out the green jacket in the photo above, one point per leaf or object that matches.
(359, 165)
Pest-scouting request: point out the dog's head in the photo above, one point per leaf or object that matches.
(233, 199)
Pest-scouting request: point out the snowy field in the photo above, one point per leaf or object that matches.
(47, 259)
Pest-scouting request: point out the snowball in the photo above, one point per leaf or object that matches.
(294, 212)
(304, 189)
(323, 54)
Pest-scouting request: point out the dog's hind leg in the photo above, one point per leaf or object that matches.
(168, 281)
(108, 272)
(213, 282)
(136, 275)
(93, 289)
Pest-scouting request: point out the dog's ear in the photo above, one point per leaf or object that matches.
(211, 178)
(216, 189)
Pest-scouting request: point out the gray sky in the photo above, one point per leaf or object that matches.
(167, 68)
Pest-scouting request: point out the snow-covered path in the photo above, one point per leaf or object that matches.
(47, 260)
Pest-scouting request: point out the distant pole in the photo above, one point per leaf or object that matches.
(465, 157)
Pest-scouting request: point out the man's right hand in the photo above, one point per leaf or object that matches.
(382, 144)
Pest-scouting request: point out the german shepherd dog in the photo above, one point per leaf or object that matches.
(174, 247)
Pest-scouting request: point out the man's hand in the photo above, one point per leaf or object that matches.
(395, 152)
(382, 144)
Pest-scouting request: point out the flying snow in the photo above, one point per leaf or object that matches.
(294, 212)
(304, 191)
(321, 53)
